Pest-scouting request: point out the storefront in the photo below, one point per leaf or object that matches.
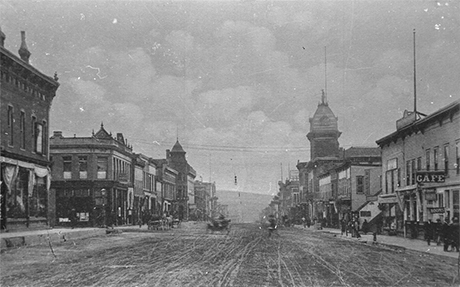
(25, 195)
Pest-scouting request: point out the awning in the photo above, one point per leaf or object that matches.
(387, 198)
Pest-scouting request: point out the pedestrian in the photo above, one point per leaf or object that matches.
(356, 228)
(365, 226)
(73, 218)
(304, 222)
(343, 226)
(413, 231)
(271, 225)
(453, 233)
(437, 231)
(445, 236)
(428, 228)
(308, 222)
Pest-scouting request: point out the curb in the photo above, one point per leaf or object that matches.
(47, 238)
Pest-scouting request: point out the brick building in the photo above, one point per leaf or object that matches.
(184, 181)
(93, 178)
(421, 173)
(324, 155)
(26, 96)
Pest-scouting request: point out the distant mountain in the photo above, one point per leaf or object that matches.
(243, 206)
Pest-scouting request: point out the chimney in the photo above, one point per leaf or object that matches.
(23, 50)
(2, 38)
(168, 153)
(57, 134)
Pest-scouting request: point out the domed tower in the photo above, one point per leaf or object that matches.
(324, 133)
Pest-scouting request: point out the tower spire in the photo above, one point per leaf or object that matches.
(325, 72)
(415, 81)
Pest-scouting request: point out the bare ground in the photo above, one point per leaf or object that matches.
(189, 256)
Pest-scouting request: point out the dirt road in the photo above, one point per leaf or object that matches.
(189, 256)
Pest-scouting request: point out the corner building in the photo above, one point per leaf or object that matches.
(420, 170)
(93, 178)
(25, 99)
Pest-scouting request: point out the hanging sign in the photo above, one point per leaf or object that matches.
(434, 210)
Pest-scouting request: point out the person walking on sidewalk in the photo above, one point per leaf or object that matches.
(365, 226)
(343, 226)
(445, 234)
(437, 231)
(428, 228)
(453, 233)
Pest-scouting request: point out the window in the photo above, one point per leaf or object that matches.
(457, 155)
(83, 167)
(408, 172)
(67, 166)
(102, 167)
(38, 138)
(359, 184)
(10, 125)
(44, 138)
(419, 163)
(446, 159)
(32, 128)
(413, 171)
(435, 158)
(22, 129)
(427, 157)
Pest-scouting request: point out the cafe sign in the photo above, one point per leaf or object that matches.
(430, 177)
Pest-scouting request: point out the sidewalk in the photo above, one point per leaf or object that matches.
(45, 236)
(60, 234)
(395, 242)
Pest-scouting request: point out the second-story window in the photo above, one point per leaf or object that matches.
(446, 159)
(408, 172)
(413, 171)
(38, 140)
(436, 157)
(427, 158)
(23, 129)
(10, 125)
(359, 184)
(83, 166)
(102, 167)
(419, 163)
(67, 167)
(457, 155)
(33, 131)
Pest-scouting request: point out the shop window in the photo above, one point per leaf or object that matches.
(83, 167)
(39, 199)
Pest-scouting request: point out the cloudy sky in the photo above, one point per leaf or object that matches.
(236, 81)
